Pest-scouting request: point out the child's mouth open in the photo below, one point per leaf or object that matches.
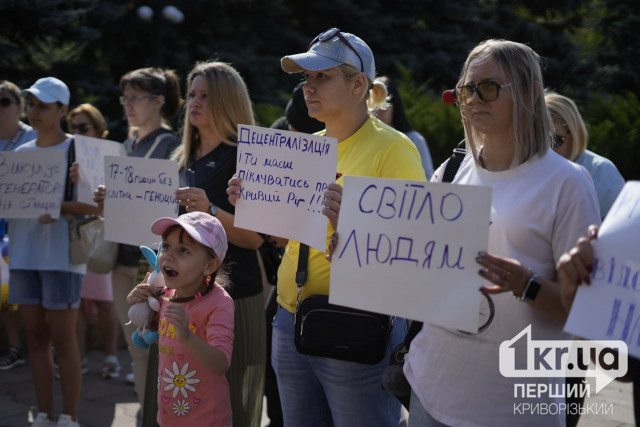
(169, 272)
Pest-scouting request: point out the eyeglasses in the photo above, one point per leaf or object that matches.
(559, 140)
(134, 99)
(330, 34)
(5, 102)
(487, 91)
(80, 128)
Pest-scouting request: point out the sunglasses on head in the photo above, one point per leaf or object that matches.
(5, 102)
(487, 91)
(80, 128)
(330, 34)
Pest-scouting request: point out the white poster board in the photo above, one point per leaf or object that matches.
(90, 154)
(284, 175)
(32, 183)
(408, 248)
(139, 191)
(609, 308)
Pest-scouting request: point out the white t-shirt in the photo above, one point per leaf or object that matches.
(538, 211)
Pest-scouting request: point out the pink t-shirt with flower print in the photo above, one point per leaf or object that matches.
(188, 393)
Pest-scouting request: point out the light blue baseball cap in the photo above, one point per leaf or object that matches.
(330, 49)
(49, 89)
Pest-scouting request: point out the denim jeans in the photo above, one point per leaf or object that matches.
(319, 391)
(420, 417)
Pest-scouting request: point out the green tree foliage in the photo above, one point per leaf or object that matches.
(589, 49)
(614, 130)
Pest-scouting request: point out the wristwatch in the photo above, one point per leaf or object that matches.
(531, 289)
(213, 210)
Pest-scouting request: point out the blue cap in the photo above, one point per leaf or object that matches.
(49, 89)
(323, 55)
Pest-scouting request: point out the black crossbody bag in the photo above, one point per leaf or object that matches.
(335, 331)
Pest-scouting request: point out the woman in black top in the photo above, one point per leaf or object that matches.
(217, 102)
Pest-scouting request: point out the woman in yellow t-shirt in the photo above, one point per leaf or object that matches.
(339, 91)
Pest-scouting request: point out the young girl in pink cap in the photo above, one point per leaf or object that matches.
(195, 322)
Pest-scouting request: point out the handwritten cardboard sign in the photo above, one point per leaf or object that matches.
(609, 309)
(139, 191)
(408, 248)
(284, 175)
(32, 183)
(90, 154)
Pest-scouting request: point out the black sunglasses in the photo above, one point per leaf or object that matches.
(558, 140)
(487, 91)
(330, 34)
(80, 128)
(5, 102)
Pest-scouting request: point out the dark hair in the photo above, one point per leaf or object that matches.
(297, 113)
(399, 119)
(157, 81)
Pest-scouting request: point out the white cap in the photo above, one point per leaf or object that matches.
(49, 89)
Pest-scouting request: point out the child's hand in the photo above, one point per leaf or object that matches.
(141, 292)
(178, 316)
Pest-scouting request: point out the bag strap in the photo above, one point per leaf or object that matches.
(301, 273)
(453, 164)
(156, 142)
(16, 137)
(450, 170)
(71, 157)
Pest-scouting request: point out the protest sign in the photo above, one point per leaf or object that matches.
(90, 154)
(609, 308)
(139, 191)
(408, 248)
(284, 175)
(32, 183)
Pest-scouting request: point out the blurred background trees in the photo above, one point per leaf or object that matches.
(590, 50)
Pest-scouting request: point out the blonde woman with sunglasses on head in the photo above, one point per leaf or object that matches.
(540, 206)
(570, 139)
(339, 91)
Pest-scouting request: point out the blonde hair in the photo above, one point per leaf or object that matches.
(565, 111)
(530, 117)
(375, 96)
(94, 115)
(229, 105)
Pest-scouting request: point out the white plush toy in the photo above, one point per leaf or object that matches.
(142, 314)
